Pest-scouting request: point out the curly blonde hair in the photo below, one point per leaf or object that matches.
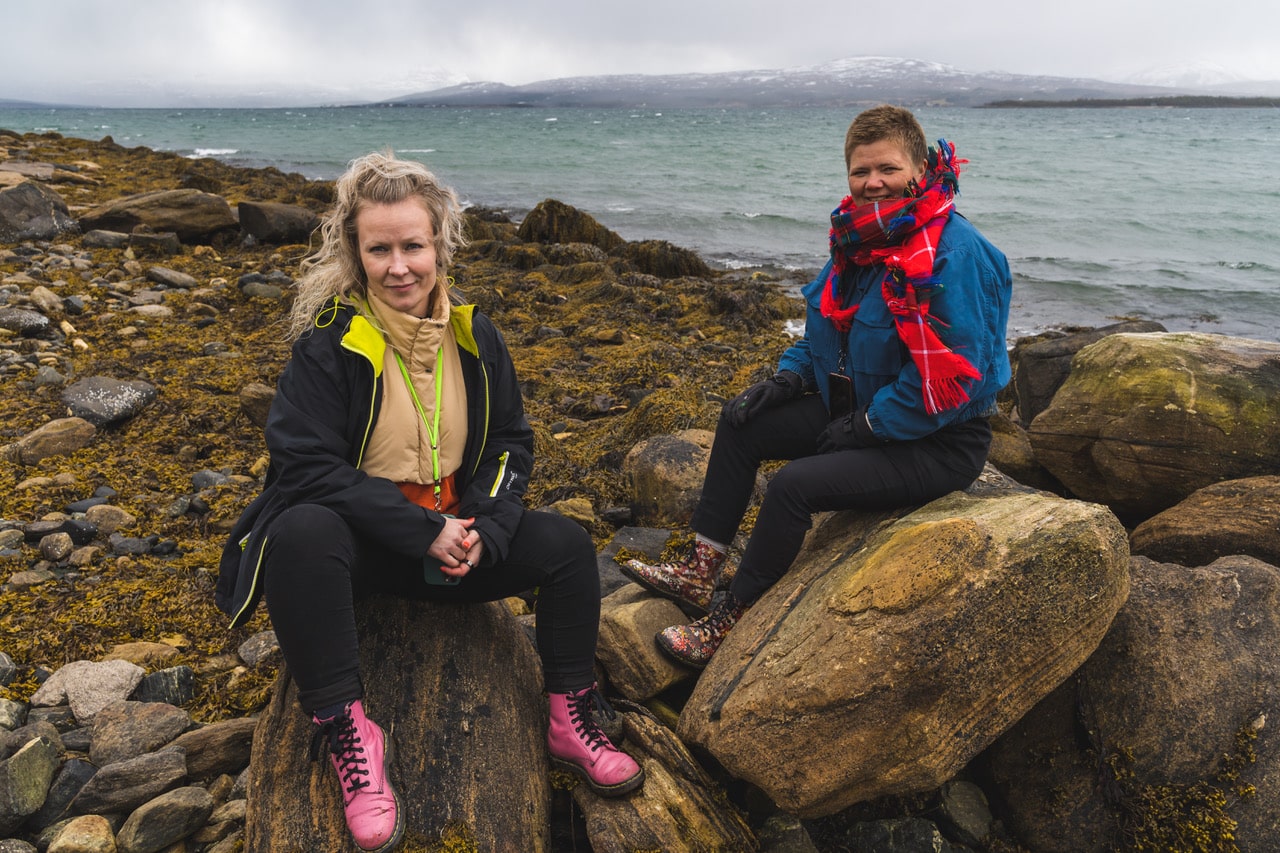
(334, 270)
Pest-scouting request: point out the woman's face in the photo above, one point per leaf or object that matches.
(398, 253)
(881, 170)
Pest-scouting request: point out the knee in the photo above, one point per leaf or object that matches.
(787, 488)
(573, 539)
(308, 528)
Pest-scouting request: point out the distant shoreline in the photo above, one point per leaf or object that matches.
(1196, 101)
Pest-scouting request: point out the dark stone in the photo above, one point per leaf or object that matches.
(164, 244)
(81, 532)
(125, 785)
(84, 505)
(906, 835)
(31, 211)
(166, 820)
(78, 740)
(8, 669)
(648, 541)
(37, 530)
(270, 222)
(208, 479)
(28, 324)
(128, 545)
(104, 240)
(175, 686)
(104, 402)
(72, 777)
(59, 716)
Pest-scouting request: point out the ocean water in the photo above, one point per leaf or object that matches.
(1160, 214)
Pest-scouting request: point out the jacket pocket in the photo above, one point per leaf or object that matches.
(874, 347)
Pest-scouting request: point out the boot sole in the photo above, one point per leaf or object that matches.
(659, 591)
(626, 786)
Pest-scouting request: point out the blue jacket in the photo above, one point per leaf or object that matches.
(971, 310)
(327, 401)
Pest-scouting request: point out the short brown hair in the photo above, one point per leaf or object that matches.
(887, 122)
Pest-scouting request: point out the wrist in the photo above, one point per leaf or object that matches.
(789, 380)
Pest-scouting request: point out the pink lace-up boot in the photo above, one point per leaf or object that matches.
(361, 753)
(578, 746)
(691, 580)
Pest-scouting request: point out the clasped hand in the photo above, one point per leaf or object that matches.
(457, 547)
(851, 432)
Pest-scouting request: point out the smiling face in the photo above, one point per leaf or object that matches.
(881, 170)
(397, 251)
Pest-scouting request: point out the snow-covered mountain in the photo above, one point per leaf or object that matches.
(845, 82)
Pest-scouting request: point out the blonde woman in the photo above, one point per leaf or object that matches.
(400, 454)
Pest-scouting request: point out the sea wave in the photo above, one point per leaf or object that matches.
(211, 152)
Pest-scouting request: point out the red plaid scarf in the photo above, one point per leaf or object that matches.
(903, 235)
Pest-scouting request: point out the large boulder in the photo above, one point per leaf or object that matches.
(190, 214)
(30, 211)
(1167, 733)
(1231, 517)
(891, 654)
(1146, 419)
(556, 222)
(460, 688)
(1044, 365)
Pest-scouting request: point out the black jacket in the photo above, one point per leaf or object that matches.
(326, 404)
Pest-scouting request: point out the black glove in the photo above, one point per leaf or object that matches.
(774, 391)
(851, 432)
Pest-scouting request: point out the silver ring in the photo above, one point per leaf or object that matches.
(468, 562)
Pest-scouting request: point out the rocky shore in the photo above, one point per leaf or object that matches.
(1079, 653)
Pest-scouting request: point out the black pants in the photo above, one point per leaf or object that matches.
(316, 567)
(897, 474)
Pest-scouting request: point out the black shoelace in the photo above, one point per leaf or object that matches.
(580, 714)
(340, 732)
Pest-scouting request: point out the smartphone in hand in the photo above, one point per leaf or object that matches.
(431, 573)
(839, 395)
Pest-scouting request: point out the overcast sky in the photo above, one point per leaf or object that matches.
(133, 52)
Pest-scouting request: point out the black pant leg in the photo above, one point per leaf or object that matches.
(308, 589)
(895, 475)
(789, 431)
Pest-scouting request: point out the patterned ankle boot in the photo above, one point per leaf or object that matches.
(578, 746)
(691, 580)
(361, 753)
(693, 645)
